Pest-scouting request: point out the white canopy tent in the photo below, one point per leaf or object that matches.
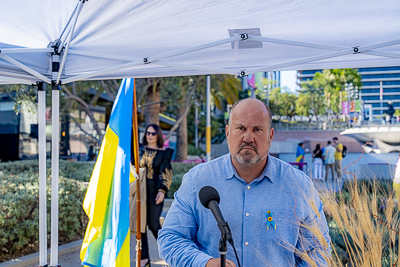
(62, 41)
(105, 39)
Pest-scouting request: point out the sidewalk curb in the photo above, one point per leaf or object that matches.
(34, 258)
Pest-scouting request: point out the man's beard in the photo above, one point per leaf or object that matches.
(247, 157)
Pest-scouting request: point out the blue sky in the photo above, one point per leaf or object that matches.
(288, 78)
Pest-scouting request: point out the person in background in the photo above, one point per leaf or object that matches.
(157, 162)
(338, 157)
(91, 154)
(317, 161)
(300, 155)
(271, 207)
(329, 157)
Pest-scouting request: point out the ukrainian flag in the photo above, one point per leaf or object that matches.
(106, 241)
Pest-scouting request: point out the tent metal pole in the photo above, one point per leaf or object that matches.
(380, 45)
(55, 153)
(294, 43)
(194, 49)
(208, 126)
(195, 67)
(382, 54)
(25, 68)
(149, 60)
(71, 33)
(102, 55)
(25, 50)
(42, 175)
(301, 61)
(101, 72)
(67, 25)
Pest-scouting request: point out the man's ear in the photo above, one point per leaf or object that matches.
(271, 134)
(227, 132)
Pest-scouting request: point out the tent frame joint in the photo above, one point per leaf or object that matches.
(356, 50)
(40, 86)
(244, 36)
(146, 60)
(242, 73)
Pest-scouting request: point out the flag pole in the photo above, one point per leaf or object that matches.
(135, 133)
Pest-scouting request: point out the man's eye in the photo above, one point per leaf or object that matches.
(240, 128)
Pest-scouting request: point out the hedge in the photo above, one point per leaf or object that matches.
(19, 203)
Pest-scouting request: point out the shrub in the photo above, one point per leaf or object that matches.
(19, 205)
(19, 202)
(363, 224)
(179, 169)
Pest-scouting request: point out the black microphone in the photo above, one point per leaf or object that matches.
(209, 198)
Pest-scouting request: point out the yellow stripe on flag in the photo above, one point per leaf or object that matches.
(123, 258)
(97, 194)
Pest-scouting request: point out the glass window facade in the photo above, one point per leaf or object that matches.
(371, 94)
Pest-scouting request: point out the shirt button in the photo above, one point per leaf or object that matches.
(247, 214)
(246, 243)
(248, 187)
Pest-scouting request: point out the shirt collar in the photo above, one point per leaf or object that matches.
(269, 170)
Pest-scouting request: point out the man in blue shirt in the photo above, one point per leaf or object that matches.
(255, 189)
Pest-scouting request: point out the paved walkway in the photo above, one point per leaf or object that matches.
(72, 258)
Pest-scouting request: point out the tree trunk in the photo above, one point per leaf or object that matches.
(151, 112)
(181, 140)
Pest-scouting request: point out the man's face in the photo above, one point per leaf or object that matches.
(249, 137)
(335, 141)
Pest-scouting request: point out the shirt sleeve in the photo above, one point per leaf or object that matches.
(176, 240)
(340, 147)
(314, 240)
(166, 170)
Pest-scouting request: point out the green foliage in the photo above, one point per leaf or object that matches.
(192, 150)
(332, 82)
(282, 103)
(19, 200)
(311, 100)
(21, 95)
(179, 169)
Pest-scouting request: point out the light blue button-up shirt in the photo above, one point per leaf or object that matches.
(190, 236)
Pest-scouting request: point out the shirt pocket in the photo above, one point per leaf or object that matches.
(284, 231)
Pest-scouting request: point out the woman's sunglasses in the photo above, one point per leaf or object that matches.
(151, 133)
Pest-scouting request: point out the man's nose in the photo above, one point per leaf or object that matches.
(248, 137)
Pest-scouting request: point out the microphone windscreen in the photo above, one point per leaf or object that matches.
(208, 193)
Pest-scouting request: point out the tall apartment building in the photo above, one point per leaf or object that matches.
(370, 90)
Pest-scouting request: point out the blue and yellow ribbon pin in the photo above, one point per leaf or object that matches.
(270, 220)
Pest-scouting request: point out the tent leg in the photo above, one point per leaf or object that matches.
(208, 126)
(55, 155)
(42, 175)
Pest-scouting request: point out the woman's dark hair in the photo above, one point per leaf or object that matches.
(317, 147)
(160, 139)
(300, 144)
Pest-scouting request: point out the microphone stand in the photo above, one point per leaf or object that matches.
(223, 249)
(225, 235)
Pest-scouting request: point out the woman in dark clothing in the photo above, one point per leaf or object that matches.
(157, 162)
(317, 161)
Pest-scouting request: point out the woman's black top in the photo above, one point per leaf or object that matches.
(158, 170)
(318, 153)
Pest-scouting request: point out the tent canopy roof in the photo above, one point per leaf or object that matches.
(106, 39)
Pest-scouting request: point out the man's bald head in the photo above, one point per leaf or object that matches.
(252, 101)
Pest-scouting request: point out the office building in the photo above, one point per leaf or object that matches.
(371, 79)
